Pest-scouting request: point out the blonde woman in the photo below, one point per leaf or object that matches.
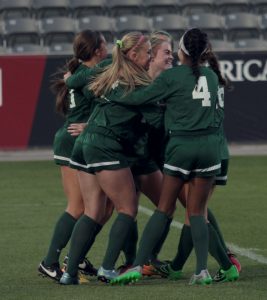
(108, 148)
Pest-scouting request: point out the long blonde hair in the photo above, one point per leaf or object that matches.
(122, 68)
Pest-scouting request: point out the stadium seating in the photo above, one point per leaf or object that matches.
(128, 23)
(50, 8)
(57, 30)
(190, 7)
(159, 7)
(222, 45)
(251, 44)
(84, 8)
(60, 48)
(211, 23)
(27, 49)
(21, 31)
(104, 24)
(15, 9)
(225, 21)
(264, 26)
(3, 50)
(2, 40)
(242, 25)
(172, 23)
(232, 6)
(122, 7)
(259, 6)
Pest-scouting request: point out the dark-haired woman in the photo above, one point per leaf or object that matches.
(89, 49)
(192, 152)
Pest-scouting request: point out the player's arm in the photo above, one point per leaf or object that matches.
(80, 79)
(159, 90)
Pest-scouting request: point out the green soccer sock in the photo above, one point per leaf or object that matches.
(98, 228)
(184, 249)
(157, 248)
(82, 236)
(61, 236)
(152, 234)
(117, 238)
(214, 223)
(216, 249)
(129, 248)
(200, 237)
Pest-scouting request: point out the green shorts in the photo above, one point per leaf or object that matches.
(62, 146)
(77, 161)
(94, 151)
(192, 156)
(224, 151)
(103, 152)
(221, 179)
(144, 166)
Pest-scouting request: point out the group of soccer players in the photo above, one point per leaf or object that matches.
(135, 124)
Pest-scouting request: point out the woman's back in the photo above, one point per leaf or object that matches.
(191, 106)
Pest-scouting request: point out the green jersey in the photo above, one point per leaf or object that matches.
(80, 107)
(124, 120)
(81, 79)
(189, 106)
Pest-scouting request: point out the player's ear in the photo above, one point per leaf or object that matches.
(132, 55)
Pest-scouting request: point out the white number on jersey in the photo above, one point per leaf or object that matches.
(201, 91)
(220, 94)
(72, 100)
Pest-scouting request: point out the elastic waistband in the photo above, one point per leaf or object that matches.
(193, 133)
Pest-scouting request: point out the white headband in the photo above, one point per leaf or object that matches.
(182, 46)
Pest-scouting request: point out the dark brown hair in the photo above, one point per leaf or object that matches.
(84, 46)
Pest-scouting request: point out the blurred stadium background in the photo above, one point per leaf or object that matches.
(36, 39)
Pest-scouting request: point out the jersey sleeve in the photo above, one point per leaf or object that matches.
(80, 79)
(158, 91)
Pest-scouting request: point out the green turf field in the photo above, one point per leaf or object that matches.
(31, 199)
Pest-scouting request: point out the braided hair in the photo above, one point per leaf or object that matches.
(195, 42)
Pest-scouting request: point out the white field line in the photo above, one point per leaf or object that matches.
(236, 249)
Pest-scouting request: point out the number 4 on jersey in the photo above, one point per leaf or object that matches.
(201, 91)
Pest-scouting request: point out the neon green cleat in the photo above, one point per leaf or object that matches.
(130, 276)
(231, 274)
(165, 270)
(203, 278)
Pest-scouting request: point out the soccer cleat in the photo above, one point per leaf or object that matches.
(132, 275)
(234, 260)
(203, 278)
(106, 275)
(153, 268)
(85, 267)
(52, 272)
(165, 270)
(150, 270)
(231, 274)
(123, 268)
(66, 279)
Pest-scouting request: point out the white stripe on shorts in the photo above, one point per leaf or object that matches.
(173, 168)
(77, 164)
(221, 177)
(61, 158)
(107, 163)
(186, 172)
(208, 169)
